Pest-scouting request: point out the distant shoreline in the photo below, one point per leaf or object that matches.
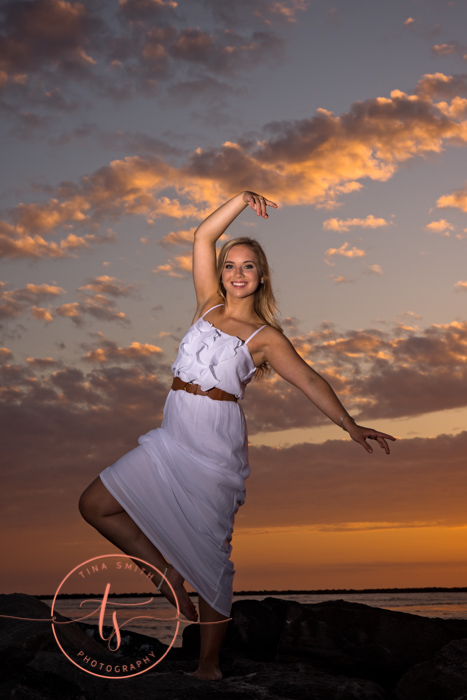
(323, 591)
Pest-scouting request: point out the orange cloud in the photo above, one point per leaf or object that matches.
(457, 199)
(460, 286)
(345, 252)
(341, 225)
(5, 355)
(179, 266)
(341, 279)
(289, 10)
(445, 49)
(179, 237)
(41, 314)
(311, 161)
(442, 226)
(71, 310)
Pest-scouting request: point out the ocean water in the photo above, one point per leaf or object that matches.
(443, 604)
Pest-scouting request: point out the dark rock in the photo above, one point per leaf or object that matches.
(362, 641)
(442, 678)
(274, 649)
(338, 637)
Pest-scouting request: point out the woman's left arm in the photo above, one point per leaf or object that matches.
(282, 356)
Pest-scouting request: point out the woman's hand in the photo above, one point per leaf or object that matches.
(361, 435)
(258, 203)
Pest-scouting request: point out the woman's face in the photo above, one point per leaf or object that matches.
(241, 275)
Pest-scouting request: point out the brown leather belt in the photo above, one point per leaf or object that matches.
(215, 394)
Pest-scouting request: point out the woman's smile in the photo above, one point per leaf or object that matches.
(241, 270)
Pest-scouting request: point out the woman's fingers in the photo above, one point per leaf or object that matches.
(259, 203)
(381, 440)
(369, 434)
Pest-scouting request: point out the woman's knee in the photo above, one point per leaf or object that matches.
(88, 503)
(96, 501)
(85, 504)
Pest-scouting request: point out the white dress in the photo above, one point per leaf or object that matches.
(186, 480)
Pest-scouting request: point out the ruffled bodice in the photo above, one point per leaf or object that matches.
(211, 358)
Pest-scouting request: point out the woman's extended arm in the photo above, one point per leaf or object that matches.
(209, 231)
(283, 357)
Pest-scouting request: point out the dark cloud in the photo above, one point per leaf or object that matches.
(109, 285)
(38, 33)
(128, 142)
(15, 302)
(152, 10)
(209, 87)
(225, 53)
(68, 425)
(260, 11)
(104, 351)
(97, 306)
(60, 430)
(45, 363)
(5, 355)
(377, 374)
(336, 484)
(449, 48)
(440, 85)
(51, 49)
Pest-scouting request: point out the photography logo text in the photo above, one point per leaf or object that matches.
(94, 637)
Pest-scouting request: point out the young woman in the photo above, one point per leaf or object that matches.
(174, 498)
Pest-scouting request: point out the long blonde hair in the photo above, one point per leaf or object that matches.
(264, 303)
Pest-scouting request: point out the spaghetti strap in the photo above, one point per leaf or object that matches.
(253, 334)
(211, 309)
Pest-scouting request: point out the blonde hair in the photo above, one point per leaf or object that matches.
(264, 303)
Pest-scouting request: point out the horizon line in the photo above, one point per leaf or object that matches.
(319, 591)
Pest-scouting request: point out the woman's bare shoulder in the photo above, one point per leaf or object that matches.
(272, 336)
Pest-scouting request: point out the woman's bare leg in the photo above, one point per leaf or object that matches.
(212, 636)
(101, 510)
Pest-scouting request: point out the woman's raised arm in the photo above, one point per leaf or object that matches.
(209, 231)
(282, 356)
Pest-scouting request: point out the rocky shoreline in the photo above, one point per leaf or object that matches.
(274, 649)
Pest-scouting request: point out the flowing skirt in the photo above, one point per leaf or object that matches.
(183, 486)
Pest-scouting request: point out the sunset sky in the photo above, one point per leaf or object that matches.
(124, 123)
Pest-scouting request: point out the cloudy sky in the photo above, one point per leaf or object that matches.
(123, 124)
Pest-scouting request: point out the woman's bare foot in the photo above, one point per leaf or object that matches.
(207, 672)
(184, 603)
